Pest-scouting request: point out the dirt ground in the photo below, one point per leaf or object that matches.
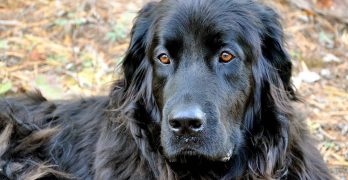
(71, 49)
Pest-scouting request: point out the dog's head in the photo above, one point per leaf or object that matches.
(204, 70)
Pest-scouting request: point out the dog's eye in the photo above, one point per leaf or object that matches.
(226, 57)
(164, 58)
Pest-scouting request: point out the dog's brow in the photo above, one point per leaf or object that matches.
(174, 46)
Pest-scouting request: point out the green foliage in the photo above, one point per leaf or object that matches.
(119, 32)
(5, 87)
(3, 44)
(63, 21)
(326, 39)
(329, 145)
(45, 86)
(295, 54)
(70, 20)
(58, 58)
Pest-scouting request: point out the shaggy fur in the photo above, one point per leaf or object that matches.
(249, 129)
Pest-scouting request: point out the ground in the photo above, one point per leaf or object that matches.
(71, 49)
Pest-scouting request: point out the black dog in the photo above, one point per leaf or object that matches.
(206, 95)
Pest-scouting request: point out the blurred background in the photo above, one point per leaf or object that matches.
(70, 49)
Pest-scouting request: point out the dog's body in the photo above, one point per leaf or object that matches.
(206, 95)
(59, 140)
(42, 133)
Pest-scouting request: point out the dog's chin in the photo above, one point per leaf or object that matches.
(188, 155)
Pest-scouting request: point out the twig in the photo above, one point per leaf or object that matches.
(10, 23)
(335, 163)
(326, 134)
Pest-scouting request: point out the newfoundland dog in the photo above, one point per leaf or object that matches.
(206, 94)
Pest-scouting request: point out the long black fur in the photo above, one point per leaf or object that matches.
(118, 136)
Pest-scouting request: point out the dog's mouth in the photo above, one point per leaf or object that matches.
(192, 161)
(187, 155)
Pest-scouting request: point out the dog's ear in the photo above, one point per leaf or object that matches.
(272, 71)
(136, 66)
(267, 117)
(136, 50)
(273, 50)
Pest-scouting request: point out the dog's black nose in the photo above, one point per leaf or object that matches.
(186, 120)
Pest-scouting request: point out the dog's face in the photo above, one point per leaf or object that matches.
(200, 64)
(202, 81)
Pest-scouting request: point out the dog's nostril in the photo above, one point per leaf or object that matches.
(185, 124)
(195, 124)
(174, 124)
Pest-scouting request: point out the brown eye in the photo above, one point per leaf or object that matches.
(164, 58)
(226, 57)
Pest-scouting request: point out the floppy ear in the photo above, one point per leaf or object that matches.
(272, 71)
(268, 116)
(273, 47)
(137, 68)
(136, 50)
